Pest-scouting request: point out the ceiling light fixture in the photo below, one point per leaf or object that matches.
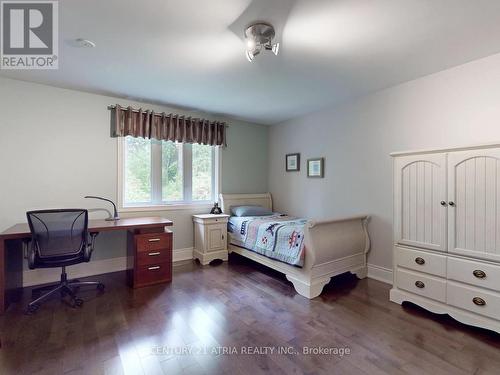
(84, 43)
(259, 36)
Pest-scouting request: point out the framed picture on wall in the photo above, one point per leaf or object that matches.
(315, 167)
(292, 162)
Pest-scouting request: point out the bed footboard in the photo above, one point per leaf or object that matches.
(332, 247)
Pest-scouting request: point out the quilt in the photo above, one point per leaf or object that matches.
(279, 237)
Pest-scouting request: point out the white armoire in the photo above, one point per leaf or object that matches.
(447, 232)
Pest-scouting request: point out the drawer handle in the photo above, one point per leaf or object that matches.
(154, 239)
(154, 254)
(154, 268)
(479, 274)
(419, 284)
(479, 301)
(419, 260)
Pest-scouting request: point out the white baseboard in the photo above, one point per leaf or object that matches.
(380, 273)
(183, 254)
(95, 267)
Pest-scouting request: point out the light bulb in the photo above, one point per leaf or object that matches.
(276, 48)
(249, 56)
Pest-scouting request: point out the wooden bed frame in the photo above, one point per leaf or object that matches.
(332, 247)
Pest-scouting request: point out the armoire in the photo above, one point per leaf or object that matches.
(447, 232)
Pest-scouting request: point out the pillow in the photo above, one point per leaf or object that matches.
(250, 211)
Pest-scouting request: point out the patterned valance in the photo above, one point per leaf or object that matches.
(166, 127)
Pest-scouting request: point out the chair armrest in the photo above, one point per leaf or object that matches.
(90, 246)
(29, 252)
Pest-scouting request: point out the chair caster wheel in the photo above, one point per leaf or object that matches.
(32, 309)
(100, 287)
(78, 302)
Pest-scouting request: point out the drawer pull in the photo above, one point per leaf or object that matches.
(479, 274)
(419, 284)
(154, 268)
(479, 301)
(419, 260)
(154, 239)
(154, 254)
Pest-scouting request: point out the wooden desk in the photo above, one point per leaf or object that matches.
(139, 229)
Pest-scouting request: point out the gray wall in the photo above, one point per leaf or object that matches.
(55, 147)
(459, 106)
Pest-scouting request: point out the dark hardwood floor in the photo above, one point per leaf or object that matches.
(235, 306)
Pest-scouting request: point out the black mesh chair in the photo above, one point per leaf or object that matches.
(60, 238)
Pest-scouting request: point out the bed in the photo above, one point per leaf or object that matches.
(331, 247)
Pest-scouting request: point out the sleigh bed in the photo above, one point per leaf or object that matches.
(331, 247)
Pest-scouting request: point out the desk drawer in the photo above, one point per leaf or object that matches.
(153, 274)
(153, 241)
(421, 284)
(421, 261)
(154, 256)
(473, 272)
(477, 300)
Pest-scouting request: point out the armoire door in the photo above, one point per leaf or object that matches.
(420, 201)
(474, 203)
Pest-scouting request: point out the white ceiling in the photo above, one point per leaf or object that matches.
(189, 53)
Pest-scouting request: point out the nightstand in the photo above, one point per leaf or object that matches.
(210, 237)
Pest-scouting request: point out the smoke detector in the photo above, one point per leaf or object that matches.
(259, 37)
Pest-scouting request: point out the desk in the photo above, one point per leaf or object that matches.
(139, 229)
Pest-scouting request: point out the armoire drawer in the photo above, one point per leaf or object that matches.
(421, 261)
(477, 300)
(473, 272)
(421, 284)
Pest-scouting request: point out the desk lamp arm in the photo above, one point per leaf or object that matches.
(115, 214)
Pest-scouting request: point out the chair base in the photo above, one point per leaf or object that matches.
(65, 287)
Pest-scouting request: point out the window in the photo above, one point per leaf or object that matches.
(160, 173)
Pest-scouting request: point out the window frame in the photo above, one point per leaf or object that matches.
(156, 186)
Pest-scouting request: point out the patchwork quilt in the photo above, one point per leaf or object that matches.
(278, 237)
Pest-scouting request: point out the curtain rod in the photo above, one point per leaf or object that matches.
(110, 107)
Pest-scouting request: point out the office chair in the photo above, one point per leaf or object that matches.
(60, 238)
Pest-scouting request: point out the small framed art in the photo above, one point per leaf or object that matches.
(292, 162)
(315, 167)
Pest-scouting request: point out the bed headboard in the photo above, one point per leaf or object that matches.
(231, 200)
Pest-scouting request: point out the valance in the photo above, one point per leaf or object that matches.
(166, 127)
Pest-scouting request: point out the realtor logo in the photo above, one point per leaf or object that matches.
(29, 35)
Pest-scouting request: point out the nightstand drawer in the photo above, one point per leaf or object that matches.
(153, 241)
(153, 274)
(216, 220)
(211, 219)
(154, 256)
